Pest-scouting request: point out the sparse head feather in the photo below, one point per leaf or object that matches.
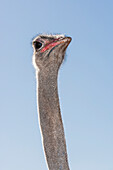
(55, 36)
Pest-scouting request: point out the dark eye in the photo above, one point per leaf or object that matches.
(37, 45)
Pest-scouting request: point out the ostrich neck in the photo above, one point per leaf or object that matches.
(51, 121)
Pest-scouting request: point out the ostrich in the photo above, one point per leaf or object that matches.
(49, 51)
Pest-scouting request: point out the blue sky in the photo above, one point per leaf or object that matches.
(85, 82)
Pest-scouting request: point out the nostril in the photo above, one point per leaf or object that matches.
(37, 45)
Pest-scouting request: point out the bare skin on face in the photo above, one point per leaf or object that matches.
(49, 52)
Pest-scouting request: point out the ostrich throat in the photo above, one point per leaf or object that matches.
(50, 119)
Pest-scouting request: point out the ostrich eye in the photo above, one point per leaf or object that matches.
(37, 45)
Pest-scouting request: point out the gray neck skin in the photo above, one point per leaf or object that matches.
(50, 120)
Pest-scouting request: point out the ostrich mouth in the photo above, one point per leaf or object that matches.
(55, 42)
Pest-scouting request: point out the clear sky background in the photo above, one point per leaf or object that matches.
(85, 82)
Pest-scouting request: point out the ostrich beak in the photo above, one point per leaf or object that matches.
(64, 40)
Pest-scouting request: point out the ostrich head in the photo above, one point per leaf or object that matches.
(49, 50)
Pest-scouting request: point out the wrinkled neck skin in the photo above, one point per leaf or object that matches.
(50, 119)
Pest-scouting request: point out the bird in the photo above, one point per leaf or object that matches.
(48, 55)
